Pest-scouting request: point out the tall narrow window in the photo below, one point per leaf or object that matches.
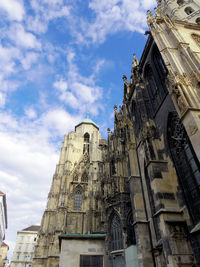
(86, 143)
(188, 171)
(161, 70)
(84, 177)
(131, 240)
(116, 234)
(86, 138)
(152, 88)
(186, 163)
(77, 200)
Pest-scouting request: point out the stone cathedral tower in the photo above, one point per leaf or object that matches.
(135, 199)
(73, 205)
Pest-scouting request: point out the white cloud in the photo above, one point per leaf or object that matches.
(58, 121)
(2, 99)
(30, 113)
(45, 11)
(112, 16)
(147, 4)
(8, 56)
(13, 8)
(78, 91)
(6, 86)
(98, 65)
(61, 85)
(29, 59)
(23, 38)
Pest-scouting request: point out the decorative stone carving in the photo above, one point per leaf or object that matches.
(196, 37)
(179, 99)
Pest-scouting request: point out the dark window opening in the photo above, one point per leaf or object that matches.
(189, 10)
(186, 163)
(180, 2)
(116, 234)
(155, 76)
(198, 21)
(152, 87)
(131, 240)
(91, 261)
(113, 170)
(188, 171)
(86, 137)
(84, 177)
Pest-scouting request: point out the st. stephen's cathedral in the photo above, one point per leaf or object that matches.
(133, 200)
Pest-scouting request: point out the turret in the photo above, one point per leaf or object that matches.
(185, 10)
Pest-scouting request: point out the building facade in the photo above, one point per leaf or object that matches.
(134, 200)
(3, 217)
(73, 211)
(3, 254)
(25, 246)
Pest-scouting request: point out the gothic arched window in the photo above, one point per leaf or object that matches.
(152, 88)
(86, 143)
(161, 72)
(77, 200)
(86, 138)
(131, 240)
(186, 164)
(116, 233)
(159, 63)
(188, 10)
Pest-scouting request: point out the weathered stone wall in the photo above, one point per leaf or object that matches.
(72, 249)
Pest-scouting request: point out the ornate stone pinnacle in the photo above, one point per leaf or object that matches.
(135, 61)
(150, 17)
(124, 78)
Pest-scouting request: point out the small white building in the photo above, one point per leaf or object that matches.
(82, 250)
(3, 216)
(24, 248)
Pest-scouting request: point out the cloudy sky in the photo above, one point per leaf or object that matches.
(59, 59)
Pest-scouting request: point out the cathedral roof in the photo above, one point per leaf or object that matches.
(34, 228)
(87, 121)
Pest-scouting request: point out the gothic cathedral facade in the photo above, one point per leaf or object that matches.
(134, 199)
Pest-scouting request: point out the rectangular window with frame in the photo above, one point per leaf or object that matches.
(91, 260)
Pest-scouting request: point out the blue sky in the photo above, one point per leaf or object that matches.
(59, 59)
